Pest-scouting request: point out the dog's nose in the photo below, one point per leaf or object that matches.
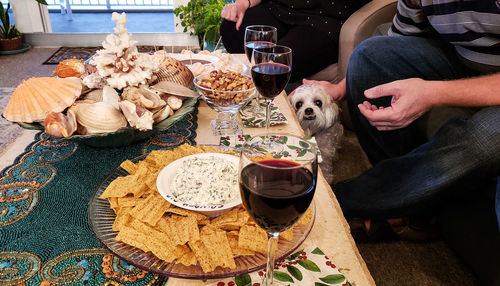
(309, 111)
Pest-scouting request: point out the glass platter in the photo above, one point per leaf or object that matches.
(101, 218)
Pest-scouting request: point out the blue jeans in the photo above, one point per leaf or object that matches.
(413, 174)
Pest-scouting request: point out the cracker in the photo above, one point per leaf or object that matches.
(253, 238)
(287, 234)
(151, 209)
(232, 220)
(233, 237)
(306, 218)
(129, 166)
(213, 249)
(179, 229)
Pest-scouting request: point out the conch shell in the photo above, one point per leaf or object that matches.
(136, 115)
(70, 67)
(35, 98)
(59, 125)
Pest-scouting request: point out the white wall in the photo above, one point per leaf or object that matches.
(30, 16)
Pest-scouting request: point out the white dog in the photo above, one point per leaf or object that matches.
(315, 109)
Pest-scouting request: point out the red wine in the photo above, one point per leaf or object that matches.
(270, 78)
(249, 46)
(276, 198)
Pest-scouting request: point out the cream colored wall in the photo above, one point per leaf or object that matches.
(30, 16)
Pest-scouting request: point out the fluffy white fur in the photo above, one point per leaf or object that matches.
(315, 108)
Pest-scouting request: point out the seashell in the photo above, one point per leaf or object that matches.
(162, 113)
(70, 67)
(150, 99)
(174, 89)
(136, 115)
(174, 102)
(95, 95)
(110, 96)
(174, 71)
(100, 117)
(35, 98)
(59, 125)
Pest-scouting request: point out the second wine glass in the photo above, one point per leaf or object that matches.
(270, 73)
(258, 36)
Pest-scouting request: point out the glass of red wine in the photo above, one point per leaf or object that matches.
(277, 184)
(258, 36)
(270, 73)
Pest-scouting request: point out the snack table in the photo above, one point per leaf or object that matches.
(49, 186)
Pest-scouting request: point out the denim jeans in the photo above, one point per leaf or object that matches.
(413, 174)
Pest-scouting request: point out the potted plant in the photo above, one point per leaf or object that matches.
(202, 18)
(11, 38)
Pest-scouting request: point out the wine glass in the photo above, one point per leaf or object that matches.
(271, 72)
(258, 36)
(277, 187)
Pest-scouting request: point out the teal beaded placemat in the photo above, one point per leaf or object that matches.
(45, 237)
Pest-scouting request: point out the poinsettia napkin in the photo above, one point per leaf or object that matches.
(293, 145)
(308, 266)
(250, 118)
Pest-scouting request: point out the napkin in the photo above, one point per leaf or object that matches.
(251, 119)
(308, 266)
(236, 141)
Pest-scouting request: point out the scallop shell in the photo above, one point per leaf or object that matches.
(174, 89)
(35, 98)
(100, 117)
(174, 71)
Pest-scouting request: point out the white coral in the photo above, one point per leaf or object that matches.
(120, 62)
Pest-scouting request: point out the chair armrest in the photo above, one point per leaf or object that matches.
(361, 25)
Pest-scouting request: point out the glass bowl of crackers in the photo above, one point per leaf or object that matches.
(131, 218)
(226, 93)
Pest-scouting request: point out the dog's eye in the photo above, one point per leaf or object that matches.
(298, 105)
(318, 103)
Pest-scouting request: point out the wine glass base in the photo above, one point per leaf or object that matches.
(226, 128)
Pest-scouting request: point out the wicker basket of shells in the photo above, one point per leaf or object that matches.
(118, 97)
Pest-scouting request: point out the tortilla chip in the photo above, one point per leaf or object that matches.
(122, 218)
(232, 220)
(253, 238)
(178, 211)
(132, 237)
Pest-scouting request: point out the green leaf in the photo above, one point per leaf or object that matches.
(284, 139)
(282, 276)
(292, 147)
(251, 118)
(317, 251)
(309, 265)
(295, 272)
(295, 255)
(319, 284)
(243, 280)
(302, 153)
(226, 143)
(348, 284)
(303, 144)
(333, 279)
(42, 2)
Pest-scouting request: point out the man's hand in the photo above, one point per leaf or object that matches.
(235, 12)
(410, 99)
(336, 91)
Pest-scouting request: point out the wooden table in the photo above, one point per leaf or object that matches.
(330, 231)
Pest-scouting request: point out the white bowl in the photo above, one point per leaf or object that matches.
(167, 174)
(188, 59)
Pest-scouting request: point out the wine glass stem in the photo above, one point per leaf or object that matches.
(271, 246)
(268, 114)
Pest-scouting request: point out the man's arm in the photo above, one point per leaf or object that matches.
(413, 97)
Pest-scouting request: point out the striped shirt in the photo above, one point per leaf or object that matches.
(472, 26)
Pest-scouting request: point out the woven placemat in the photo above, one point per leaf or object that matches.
(85, 53)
